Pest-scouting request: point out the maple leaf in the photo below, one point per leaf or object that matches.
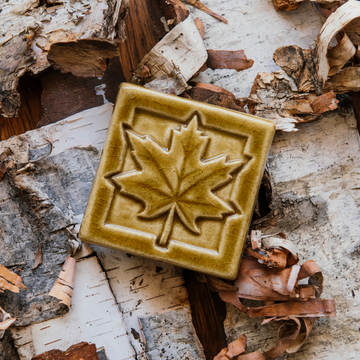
(177, 180)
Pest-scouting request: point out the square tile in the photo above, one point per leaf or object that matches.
(177, 181)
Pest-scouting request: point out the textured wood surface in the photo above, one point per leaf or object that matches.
(171, 333)
(140, 34)
(30, 111)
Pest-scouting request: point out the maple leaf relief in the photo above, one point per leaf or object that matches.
(177, 180)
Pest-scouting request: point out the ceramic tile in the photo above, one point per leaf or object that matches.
(177, 181)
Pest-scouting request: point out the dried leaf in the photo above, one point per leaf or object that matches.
(224, 59)
(38, 258)
(63, 287)
(199, 5)
(177, 180)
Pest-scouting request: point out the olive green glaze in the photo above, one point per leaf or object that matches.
(177, 181)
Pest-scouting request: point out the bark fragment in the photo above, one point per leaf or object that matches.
(289, 5)
(225, 59)
(5, 322)
(275, 97)
(63, 287)
(84, 58)
(81, 351)
(10, 281)
(215, 95)
(174, 60)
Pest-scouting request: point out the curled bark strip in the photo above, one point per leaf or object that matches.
(311, 270)
(199, 5)
(5, 322)
(299, 306)
(336, 22)
(339, 55)
(63, 287)
(10, 281)
(225, 59)
(310, 308)
(290, 337)
(279, 242)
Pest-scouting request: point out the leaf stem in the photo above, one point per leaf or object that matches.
(167, 227)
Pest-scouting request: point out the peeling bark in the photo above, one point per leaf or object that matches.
(30, 30)
(276, 97)
(173, 61)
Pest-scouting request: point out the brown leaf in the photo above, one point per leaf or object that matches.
(225, 59)
(38, 257)
(199, 5)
